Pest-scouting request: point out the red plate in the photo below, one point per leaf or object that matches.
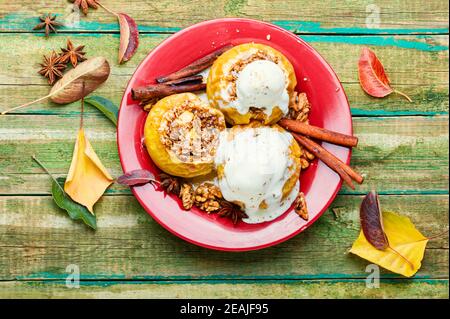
(330, 110)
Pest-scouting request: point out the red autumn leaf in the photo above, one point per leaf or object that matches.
(129, 34)
(373, 77)
(137, 177)
(129, 37)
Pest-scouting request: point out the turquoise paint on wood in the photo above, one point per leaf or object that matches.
(382, 113)
(385, 275)
(19, 21)
(393, 41)
(403, 42)
(316, 27)
(111, 282)
(389, 40)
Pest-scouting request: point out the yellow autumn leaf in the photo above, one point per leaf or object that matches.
(403, 237)
(87, 179)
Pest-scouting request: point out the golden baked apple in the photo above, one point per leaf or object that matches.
(258, 168)
(181, 135)
(251, 82)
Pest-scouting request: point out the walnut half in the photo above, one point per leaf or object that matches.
(300, 206)
(187, 196)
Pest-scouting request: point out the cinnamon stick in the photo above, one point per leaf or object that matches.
(161, 90)
(319, 133)
(345, 171)
(189, 79)
(195, 67)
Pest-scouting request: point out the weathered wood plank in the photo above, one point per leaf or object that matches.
(429, 99)
(38, 242)
(416, 65)
(396, 154)
(168, 16)
(295, 289)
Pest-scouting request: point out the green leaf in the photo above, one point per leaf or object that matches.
(75, 210)
(107, 107)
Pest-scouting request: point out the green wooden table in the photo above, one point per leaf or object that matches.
(403, 153)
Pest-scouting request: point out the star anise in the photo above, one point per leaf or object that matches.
(72, 54)
(48, 23)
(52, 67)
(85, 4)
(170, 183)
(232, 211)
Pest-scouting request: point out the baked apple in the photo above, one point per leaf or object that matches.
(258, 168)
(181, 135)
(251, 82)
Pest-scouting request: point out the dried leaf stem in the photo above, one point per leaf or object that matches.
(44, 168)
(438, 235)
(82, 107)
(27, 104)
(107, 9)
(404, 95)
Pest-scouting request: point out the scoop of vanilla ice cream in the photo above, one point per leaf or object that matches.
(256, 164)
(261, 84)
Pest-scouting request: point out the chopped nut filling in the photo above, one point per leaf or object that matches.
(299, 109)
(191, 132)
